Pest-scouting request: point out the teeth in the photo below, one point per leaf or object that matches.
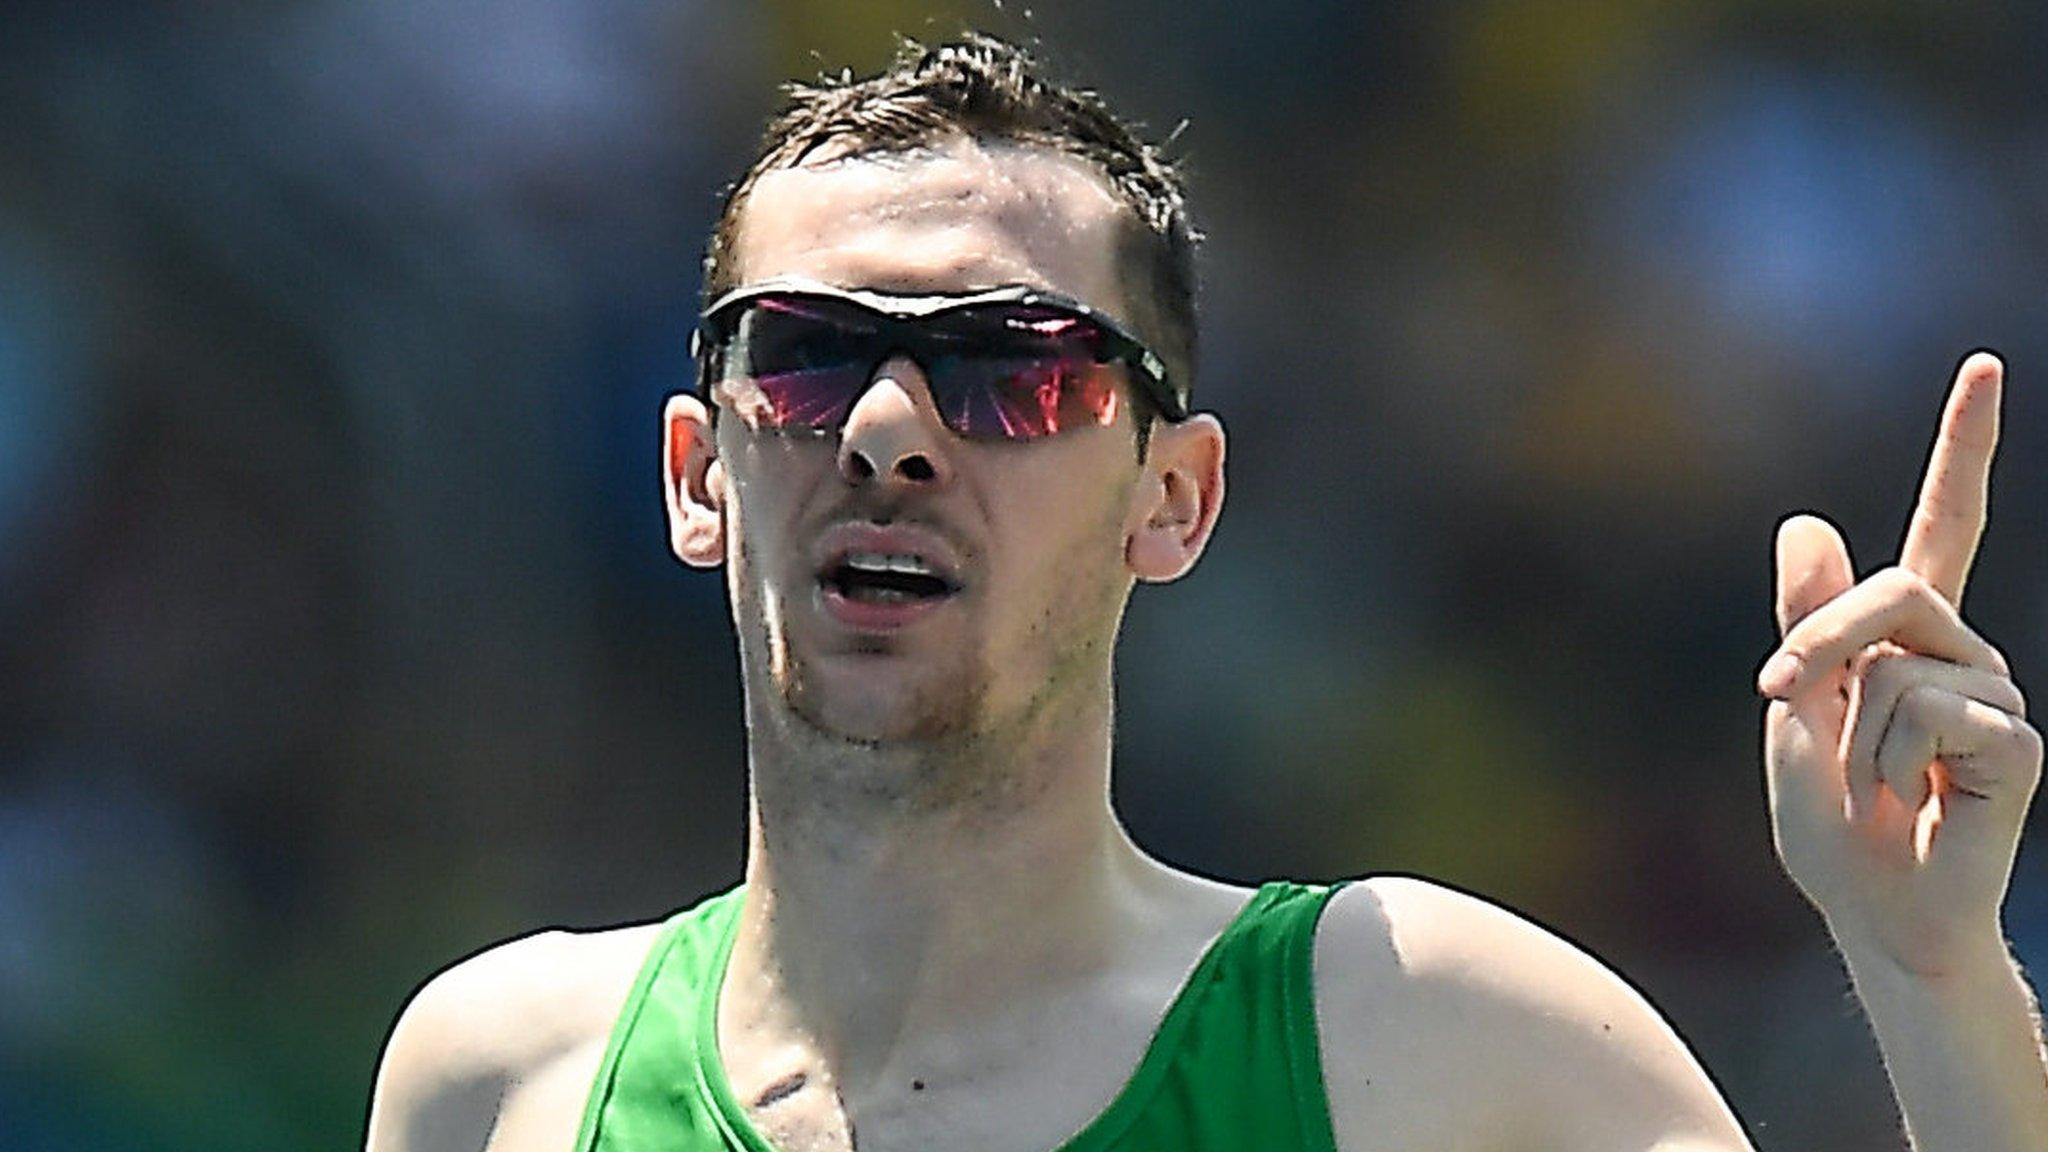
(890, 562)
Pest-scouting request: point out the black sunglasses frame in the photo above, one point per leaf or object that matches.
(900, 319)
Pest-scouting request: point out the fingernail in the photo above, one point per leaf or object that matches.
(1778, 674)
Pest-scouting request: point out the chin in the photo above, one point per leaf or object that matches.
(866, 702)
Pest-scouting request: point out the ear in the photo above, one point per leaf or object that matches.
(1177, 500)
(693, 483)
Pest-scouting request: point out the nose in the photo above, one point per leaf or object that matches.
(892, 434)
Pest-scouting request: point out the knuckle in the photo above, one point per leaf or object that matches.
(1916, 717)
(1883, 669)
(1906, 750)
(2027, 742)
(1918, 702)
(1893, 764)
(1997, 658)
(2002, 693)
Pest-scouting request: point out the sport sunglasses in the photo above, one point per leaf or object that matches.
(1009, 364)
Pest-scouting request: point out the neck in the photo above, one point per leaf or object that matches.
(895, 892)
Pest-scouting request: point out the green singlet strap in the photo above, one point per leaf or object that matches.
(1235, 1062)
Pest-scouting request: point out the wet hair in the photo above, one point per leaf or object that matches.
(987, 89)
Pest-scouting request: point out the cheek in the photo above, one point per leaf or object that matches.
(1070, 537)
(765, 493)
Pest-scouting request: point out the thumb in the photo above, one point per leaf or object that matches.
(1812, 567)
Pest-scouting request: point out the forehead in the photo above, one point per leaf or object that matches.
(961, 216)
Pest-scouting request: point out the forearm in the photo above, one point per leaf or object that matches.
(1964, 1050)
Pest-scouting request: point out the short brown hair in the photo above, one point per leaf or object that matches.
(987, 88)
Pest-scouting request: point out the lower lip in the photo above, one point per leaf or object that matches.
(874, 616)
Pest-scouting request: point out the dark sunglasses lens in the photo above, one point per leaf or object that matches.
(998, 372)
(794, 363)
(1019, 398)
(1033, 372)
(1021, 371)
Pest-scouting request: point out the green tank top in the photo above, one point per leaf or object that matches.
(1234, 1063)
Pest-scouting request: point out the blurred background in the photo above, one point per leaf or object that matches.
(339, 637)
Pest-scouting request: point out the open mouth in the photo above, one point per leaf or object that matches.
(887, 578)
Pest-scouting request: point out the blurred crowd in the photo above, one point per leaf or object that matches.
(339, 636)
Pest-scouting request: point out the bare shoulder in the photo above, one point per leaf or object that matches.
(1448, 1019)
(477, 1029)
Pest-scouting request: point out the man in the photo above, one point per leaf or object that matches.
(940, 433)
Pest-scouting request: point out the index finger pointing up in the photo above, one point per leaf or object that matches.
(1942, 540)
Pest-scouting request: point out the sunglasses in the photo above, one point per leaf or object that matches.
(1010, 364)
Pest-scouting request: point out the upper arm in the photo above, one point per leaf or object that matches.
(451, 1055)
(1461, 1020)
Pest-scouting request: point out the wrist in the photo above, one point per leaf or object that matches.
(1951, 954)
(1968, 961)
(1961, 1041)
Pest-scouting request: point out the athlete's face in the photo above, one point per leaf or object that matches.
(1034, 542)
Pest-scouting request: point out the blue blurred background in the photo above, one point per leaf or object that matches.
(338, 635)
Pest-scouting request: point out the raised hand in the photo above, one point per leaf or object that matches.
(1898, 757)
